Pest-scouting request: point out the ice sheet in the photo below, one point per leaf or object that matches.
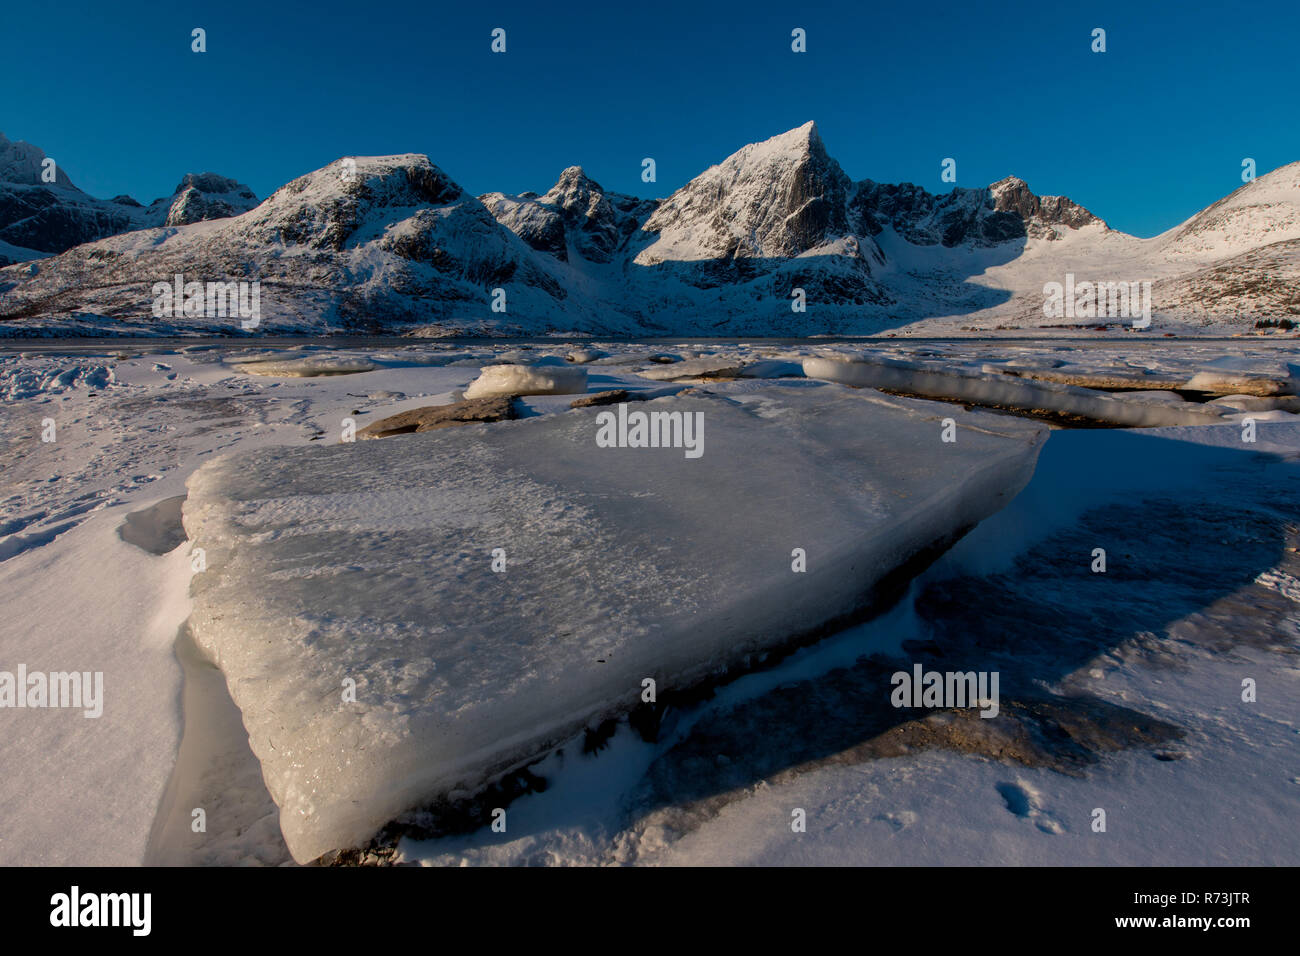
(372, 562)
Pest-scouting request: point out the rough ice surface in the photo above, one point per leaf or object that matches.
(694, 368)
(307, 367)
(22, 380)
(528, 380)
(969, 385)
(372, 562)
(1239, 375)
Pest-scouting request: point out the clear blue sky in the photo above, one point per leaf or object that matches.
(1143, 135)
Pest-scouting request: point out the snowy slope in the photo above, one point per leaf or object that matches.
(1260, 213)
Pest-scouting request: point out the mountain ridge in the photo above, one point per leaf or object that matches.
(393, 243)
(39, 218)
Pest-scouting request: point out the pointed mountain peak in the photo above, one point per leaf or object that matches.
(780, 197)
(807, 133)
(573, 174)
(799, 143)
(573, 183)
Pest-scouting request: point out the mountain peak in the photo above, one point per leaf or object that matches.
(801, 141)
(1039, 213)
(405, 179)
(212, 183)
(22, 163)
(573, 175)
(574, 185)
(1008, 182)
(780, 197)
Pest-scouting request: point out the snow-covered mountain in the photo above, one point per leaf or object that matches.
(365, 244)
(392, 243)
(577, 211)
(39, 218)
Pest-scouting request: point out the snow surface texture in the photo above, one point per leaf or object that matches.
(307, 367)
(372, 562)
(1167, 632)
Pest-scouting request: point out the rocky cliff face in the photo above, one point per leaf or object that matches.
(204, 196)
(1003, 212)
(575, 212)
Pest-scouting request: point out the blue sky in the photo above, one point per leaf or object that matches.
(1144, 134)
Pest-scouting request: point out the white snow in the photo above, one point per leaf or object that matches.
(528, 380)
(1227, 795)
(82, 791)
(23, 380)
(722, 366)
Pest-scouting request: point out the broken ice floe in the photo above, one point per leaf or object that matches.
(373, 563)
(964, 384)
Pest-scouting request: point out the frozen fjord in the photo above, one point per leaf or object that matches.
(372, 562)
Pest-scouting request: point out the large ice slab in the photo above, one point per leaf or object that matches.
(965, 384)
(372, 562)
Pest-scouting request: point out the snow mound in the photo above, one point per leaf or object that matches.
(528, 380)
(370, 565)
